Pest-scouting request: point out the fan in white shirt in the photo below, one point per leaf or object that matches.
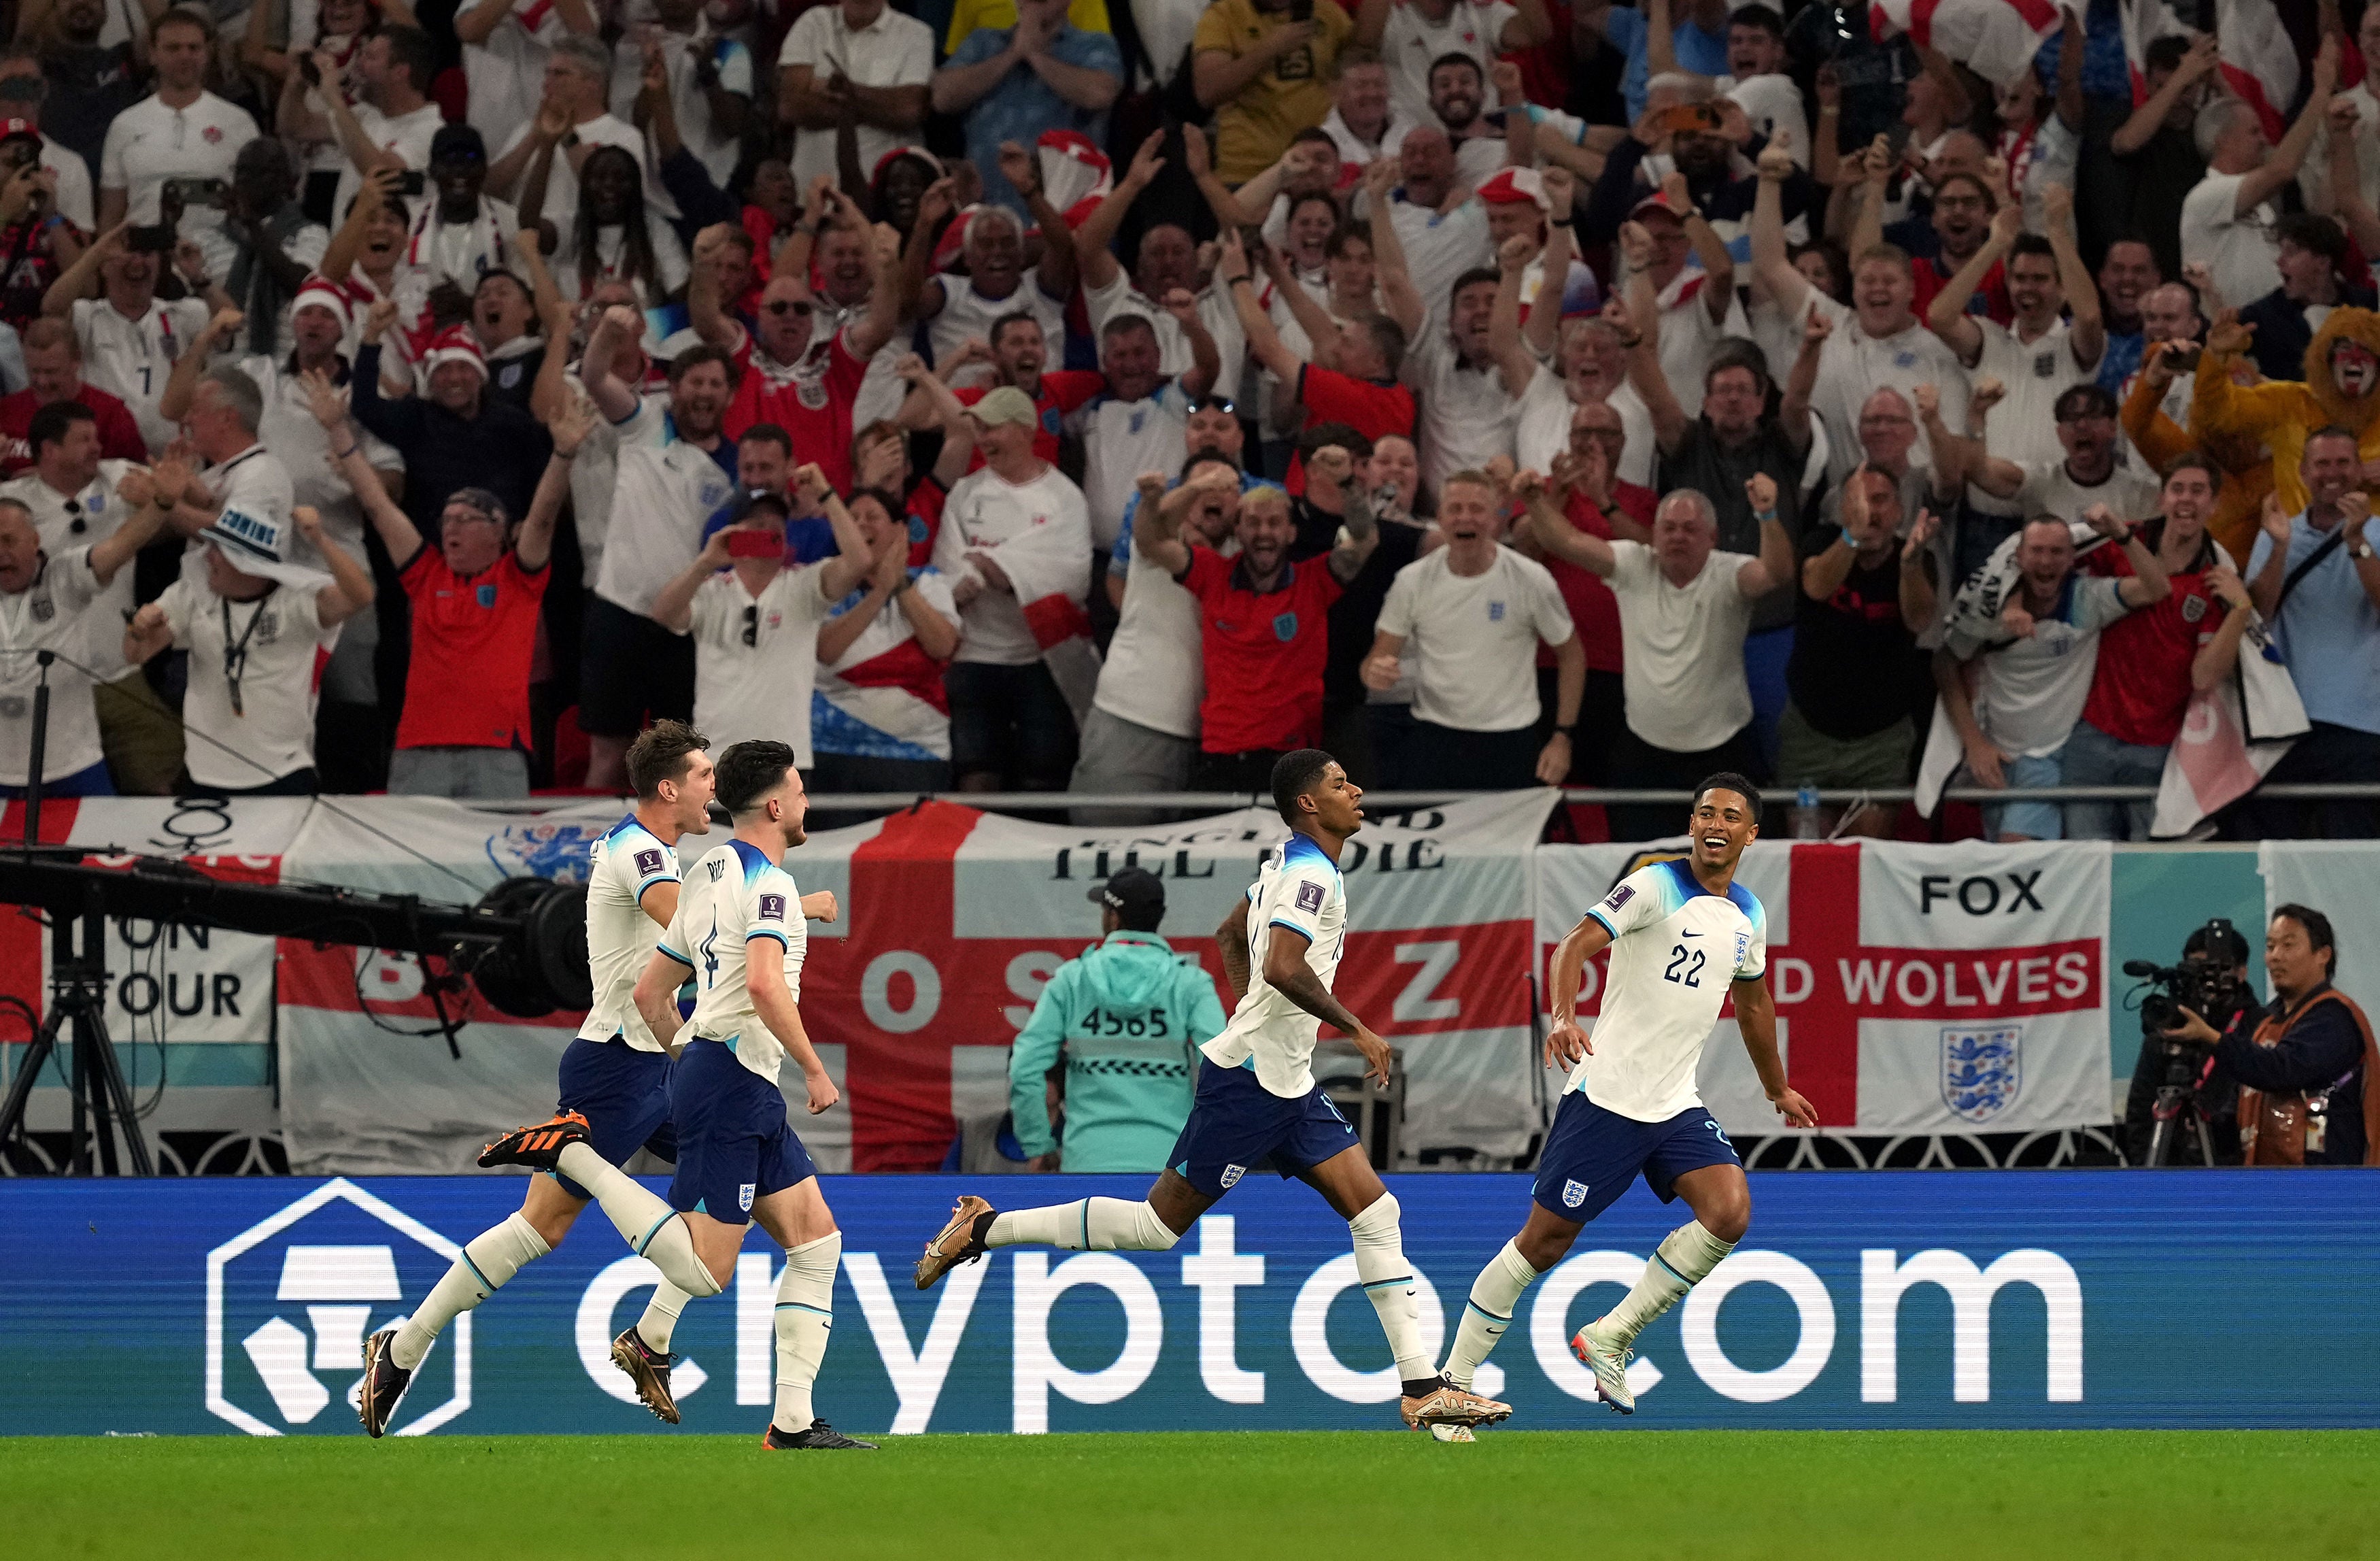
(43, 600)
(2040, 357)
(182, 131)
(1412, 35)
(755, 622)
(256, 626)
(571, 122)
(886, 63)
(393, 121)
(129, 339)
(2227, 219)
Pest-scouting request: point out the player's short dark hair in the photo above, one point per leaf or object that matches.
(768, 433)
(660, 754)
(704, 352)
(1295, 773)
(1455, 56)
(1765, 17)
(51, 423)
(1015, 317)
(2317, 930)
(749, 771)
(2087, 400)
(1728, 780)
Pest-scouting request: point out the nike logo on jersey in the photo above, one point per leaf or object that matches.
(1690, 934)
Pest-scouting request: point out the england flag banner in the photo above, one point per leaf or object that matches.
(1919, 989)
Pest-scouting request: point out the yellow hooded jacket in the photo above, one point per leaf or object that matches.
(2282, 413)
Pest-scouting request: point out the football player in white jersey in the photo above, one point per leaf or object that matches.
(615, 1077)
(1684, 936)
(1257, 1105)
(739, 929)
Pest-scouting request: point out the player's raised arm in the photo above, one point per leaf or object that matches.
(1755, 1014)
(1287, 972)
(1566, 1042)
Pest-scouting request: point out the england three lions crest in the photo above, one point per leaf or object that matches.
(1982, 1068)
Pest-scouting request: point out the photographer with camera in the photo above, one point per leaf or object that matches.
(2302, 1061)
(2180, 1111)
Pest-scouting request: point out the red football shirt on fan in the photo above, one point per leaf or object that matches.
(1373, 410)
(472, 639)
(119, 436)
(1932, 277)
(1062, 390)
(2142, 686)
(1264, 652)
(811, 402)
(1593, 609)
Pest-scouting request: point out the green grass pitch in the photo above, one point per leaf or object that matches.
(1671, 1495)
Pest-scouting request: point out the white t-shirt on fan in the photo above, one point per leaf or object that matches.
(1683, 649)
(1476, 636)
(276, 644)
(758, 688)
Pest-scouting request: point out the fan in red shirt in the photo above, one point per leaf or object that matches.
(1362, 391)
(1264, 622)
(2154, 658)
(805, 386)
(54, 365)
(1016, 352)
(475, 594)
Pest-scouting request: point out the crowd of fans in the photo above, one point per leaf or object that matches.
(1021, 394)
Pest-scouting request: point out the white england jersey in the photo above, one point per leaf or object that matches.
(626, 861)
(736, 896)
(1675, 947)
(1300, 889)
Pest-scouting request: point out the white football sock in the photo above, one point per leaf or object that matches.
(652, 1228)
(660, 1319)
(1495, 1297)
(489, 1259)
(1098, 1224)
(1678, 1265)
(805, 1315)
(1389, 1282)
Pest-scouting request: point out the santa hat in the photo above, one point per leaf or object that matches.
(1652, 204)
(452, 345)
(320, 292)
(953, 239)
(1513, 187)
(1076, 175)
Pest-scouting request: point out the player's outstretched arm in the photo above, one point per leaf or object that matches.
(1755, 1014)
(656, 994)
(1287, 972)
(1566, 1042)
(764, 977)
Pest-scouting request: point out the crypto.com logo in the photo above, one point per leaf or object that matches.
(336, 1285)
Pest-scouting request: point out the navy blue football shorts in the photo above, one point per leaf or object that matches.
(734, 1143)
(1237, 1125)
(623, 1094)
(1593, 1155)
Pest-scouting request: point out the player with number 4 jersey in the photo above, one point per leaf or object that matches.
(614, 1080)
(1684, 936)
(1258, 1106)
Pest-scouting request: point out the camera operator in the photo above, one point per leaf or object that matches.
(2302, 1062)
(2212, 980)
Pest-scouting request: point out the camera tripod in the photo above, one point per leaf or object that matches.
(101, 1100)
(2177, 1113)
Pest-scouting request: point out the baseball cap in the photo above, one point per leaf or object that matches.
(1653, 203)
(1134, 892)
(1512, 186)
(458, 140)
(10, 130)
(1007, 403)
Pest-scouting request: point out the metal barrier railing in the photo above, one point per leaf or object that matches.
(1223, 801)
